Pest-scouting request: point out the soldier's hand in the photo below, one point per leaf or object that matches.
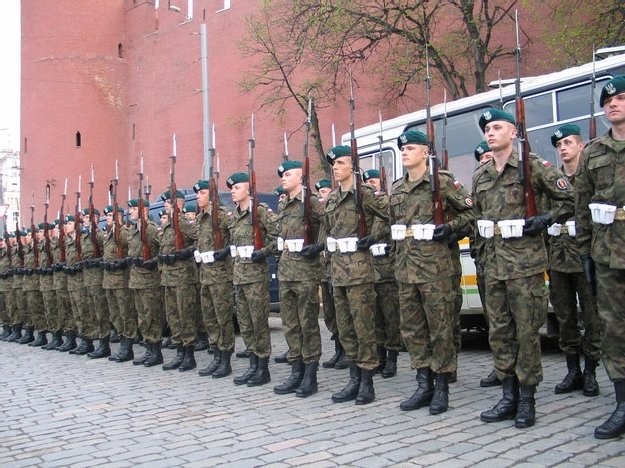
(441, 232)
(221, 254)
(537, 224)
(589, 271)
(365, 243)
(311, 251)
(258, 256)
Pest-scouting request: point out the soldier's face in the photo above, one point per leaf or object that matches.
(413, 155)
(499, 134)
(614, 109)
(109, 219)
(203, 199)
(39, 235)
(190, 215)
(291, 180)
(486, 157)
(374, 182)
(69, 227)
(569, 148)
(164, 220)
(55, 231)
(342, 169)
(134, 212)
(240, 192)
(325, 192)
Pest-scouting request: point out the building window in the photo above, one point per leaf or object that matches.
(78, 140)
(25, 145)
(120, 50)
(226, 6)
(134, 129)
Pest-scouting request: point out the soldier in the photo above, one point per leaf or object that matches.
(46, 283)
(567, 283)
(250, 278)
(299, 274)
(59, 284)
(145, 283)
(515, 263)
(600, 225)
(281, 358)
(353, 276)
(423, 268)
(5, 266)
(280, 193)
(179, 277)
(12, 294)
(32, 313)
(215, 265)
(387, 332)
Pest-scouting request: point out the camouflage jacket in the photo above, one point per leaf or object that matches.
(341, 221)
(600, 178)
(219, 271)
(242, 233)
(181, 272)
(290, 219)
(500, 196)
(46, 282)
(16, 283)
(411, 203)
(383, 266)
(92, 275)
(30, 281)
(74, 281)
(59, 278)
(117, 279)
(143, 278)
(5, 283)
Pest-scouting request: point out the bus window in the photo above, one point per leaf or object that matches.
(538, 110)
(371, 161)
(568, 100)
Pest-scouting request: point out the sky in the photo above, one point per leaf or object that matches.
(10, 74)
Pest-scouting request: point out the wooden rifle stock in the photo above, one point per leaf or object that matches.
(7, 241)
(18, 237)
(93, 227)
(33, 230)
(213, 192)
(143, 220)
(439, 215)
(592, 130)
(46, 231)
(362, 221)
(77, 228)
(259, 242)
(62, 256)
(306, 208)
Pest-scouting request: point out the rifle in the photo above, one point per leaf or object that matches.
(592, 130)
(175, 213)
(33, 230)
(78, 223)
(306, 208)
(117, 225)
(93, 227)
(7, 241)
(46, 232)
(258, 235)
(18, 237)
(523, 145)
(383, 183)
(62, 225)
(213, 193)
(143, 222)
(445, 156)
(439, 216)
(362, 221)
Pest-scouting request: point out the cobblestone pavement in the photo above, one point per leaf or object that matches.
(64, 410)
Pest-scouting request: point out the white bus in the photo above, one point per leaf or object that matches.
(550, 101)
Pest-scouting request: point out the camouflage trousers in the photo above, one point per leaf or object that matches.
(122, 312)
(564, 291)
(21, 304)
(299, 310)
(180, 309)
(10, 300)
(149, 307)
(253, 314)
(426, 312)
(51, 310)
(34, 301)
(329, 311)
(355, 317)
(457, 308)
(517, 308)
(84, 320)
(96, 301)
(611, 306)
(5, 317)
(387, 332)
(64, 307)
(216, 301)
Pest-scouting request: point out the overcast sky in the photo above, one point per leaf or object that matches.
(10, 72)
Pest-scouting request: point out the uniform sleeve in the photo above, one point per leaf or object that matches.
(269, 227)
(461, 203)
(377, 206)
(584, 188)
(553, 184)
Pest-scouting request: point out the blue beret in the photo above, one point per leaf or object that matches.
(287, 166)
(200, 185)
(338, 152)
(370, 174)
(237, 178)
(480, 150)
(492, 115)
(412, 136)
(563, 132)
(613, 87)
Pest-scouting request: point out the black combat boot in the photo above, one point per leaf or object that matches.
(309, 382)
(188, 363)
(123, 349)
(281, 358)
(140, 360)
(16, 333)
(615, 425)
(338, 353)
(177, 360)
(156, 357)
(114, 336)
(6, 332)
(506, 408)
(214, 364)
(294, 379)
(440, 398)
(69, 344)
(247, 375)
(591, 387)
(491, 381)
(381, 359)
(573, 379)
(262, 375)
(28, 335)
(128, 354)
(103, 350)
(366, 393)
(423, 395)
(342, 363)
(202, 342)
(79, 346)
(526, 412)
(390, 369)
(224, 368)
(41, 340)
(85, 348)
(166, 342)
(246, 353)
(350, 392)
(55, 342)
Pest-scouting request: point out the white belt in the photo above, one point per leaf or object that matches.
(506, 228)
(342, 244)
(556, 229)
(416, 231)
(606, 214)
(290, 245)
(204, 257)
(242, 251)
(378, 250)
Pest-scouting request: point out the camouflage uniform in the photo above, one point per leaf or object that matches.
(92, 278)
(30, 286)
(59, 285)
(46, 286)
(424, 271)
(5, 287)
(76, 289)
(251, 280)
(11, 299)
(516, 296)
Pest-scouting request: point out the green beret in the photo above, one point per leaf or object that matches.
(480, 150)
(287, 166)
(412, 136)
(492, 115)
(279, 191)
(613, 87)
(166, 196)
(109, 209)
(11, 235)
(370, 174)
(161, 213)
(86, 211)
(27, 231)
(57, 222)
(237, 178)
(70, 218)
(42, 226)
(134, 203)
(338, 152)
(200, 185)
(189, 208)
(323, 183)
(563, 132)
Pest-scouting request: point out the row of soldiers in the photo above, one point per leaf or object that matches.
(398, 281)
